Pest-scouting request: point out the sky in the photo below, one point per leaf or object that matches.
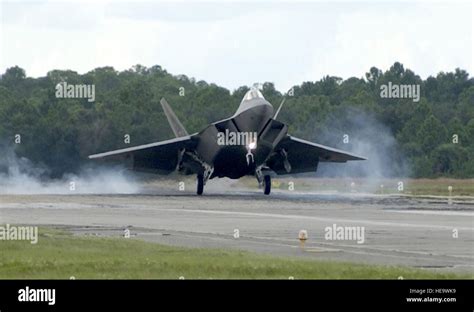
(240, 42)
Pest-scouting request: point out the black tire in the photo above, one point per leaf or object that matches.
(200, 184)
(267, 182)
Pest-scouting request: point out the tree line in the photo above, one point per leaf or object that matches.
(434, 135)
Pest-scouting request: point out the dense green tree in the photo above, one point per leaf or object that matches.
(60, 133)
(431, 133)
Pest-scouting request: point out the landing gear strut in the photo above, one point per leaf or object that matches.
(202, 178)
(267, 183)
(264, 180)
(200, 183)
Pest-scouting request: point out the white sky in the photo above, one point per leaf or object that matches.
(238, 43)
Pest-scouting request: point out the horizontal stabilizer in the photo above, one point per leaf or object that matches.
(158, 157)
(175, 143)
(295, 155)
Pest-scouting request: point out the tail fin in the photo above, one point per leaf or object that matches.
(176, 126)
(279, 108)
(290, 92)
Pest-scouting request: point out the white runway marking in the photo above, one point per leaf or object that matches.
(434, 212)
(330, 220)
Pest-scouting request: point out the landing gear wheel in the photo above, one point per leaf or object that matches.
(200, 184)
(267, 183)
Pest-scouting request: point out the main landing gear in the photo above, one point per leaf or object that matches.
(267, 184)
(202, 179)
(264, 180)
(200, 184)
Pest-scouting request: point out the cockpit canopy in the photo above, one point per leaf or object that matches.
(253, 99)
(253, 93)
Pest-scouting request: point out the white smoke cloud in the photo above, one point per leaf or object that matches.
(368, 138)
(21, 176)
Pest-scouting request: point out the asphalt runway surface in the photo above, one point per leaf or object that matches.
(399, 230)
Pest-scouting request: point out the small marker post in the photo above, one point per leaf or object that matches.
(450, 191)
(302, 236)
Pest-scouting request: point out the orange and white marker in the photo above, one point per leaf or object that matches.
(302, 236)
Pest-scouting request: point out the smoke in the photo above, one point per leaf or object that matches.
(348, 129)
(18, 175)
(360, 133)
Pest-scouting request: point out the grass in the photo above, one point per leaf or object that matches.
(59, 255)
(440, 187)
(437, 187)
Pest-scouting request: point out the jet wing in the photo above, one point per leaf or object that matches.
(304, 156)
(159, 157)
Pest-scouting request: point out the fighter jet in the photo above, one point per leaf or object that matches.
(250, 143)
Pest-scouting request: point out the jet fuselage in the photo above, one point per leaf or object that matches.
(228, 157)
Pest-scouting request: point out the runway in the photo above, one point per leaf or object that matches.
(399, 230)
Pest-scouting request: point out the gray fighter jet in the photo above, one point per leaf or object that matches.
(251, 142)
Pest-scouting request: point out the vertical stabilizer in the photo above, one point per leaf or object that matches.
(175, 124)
